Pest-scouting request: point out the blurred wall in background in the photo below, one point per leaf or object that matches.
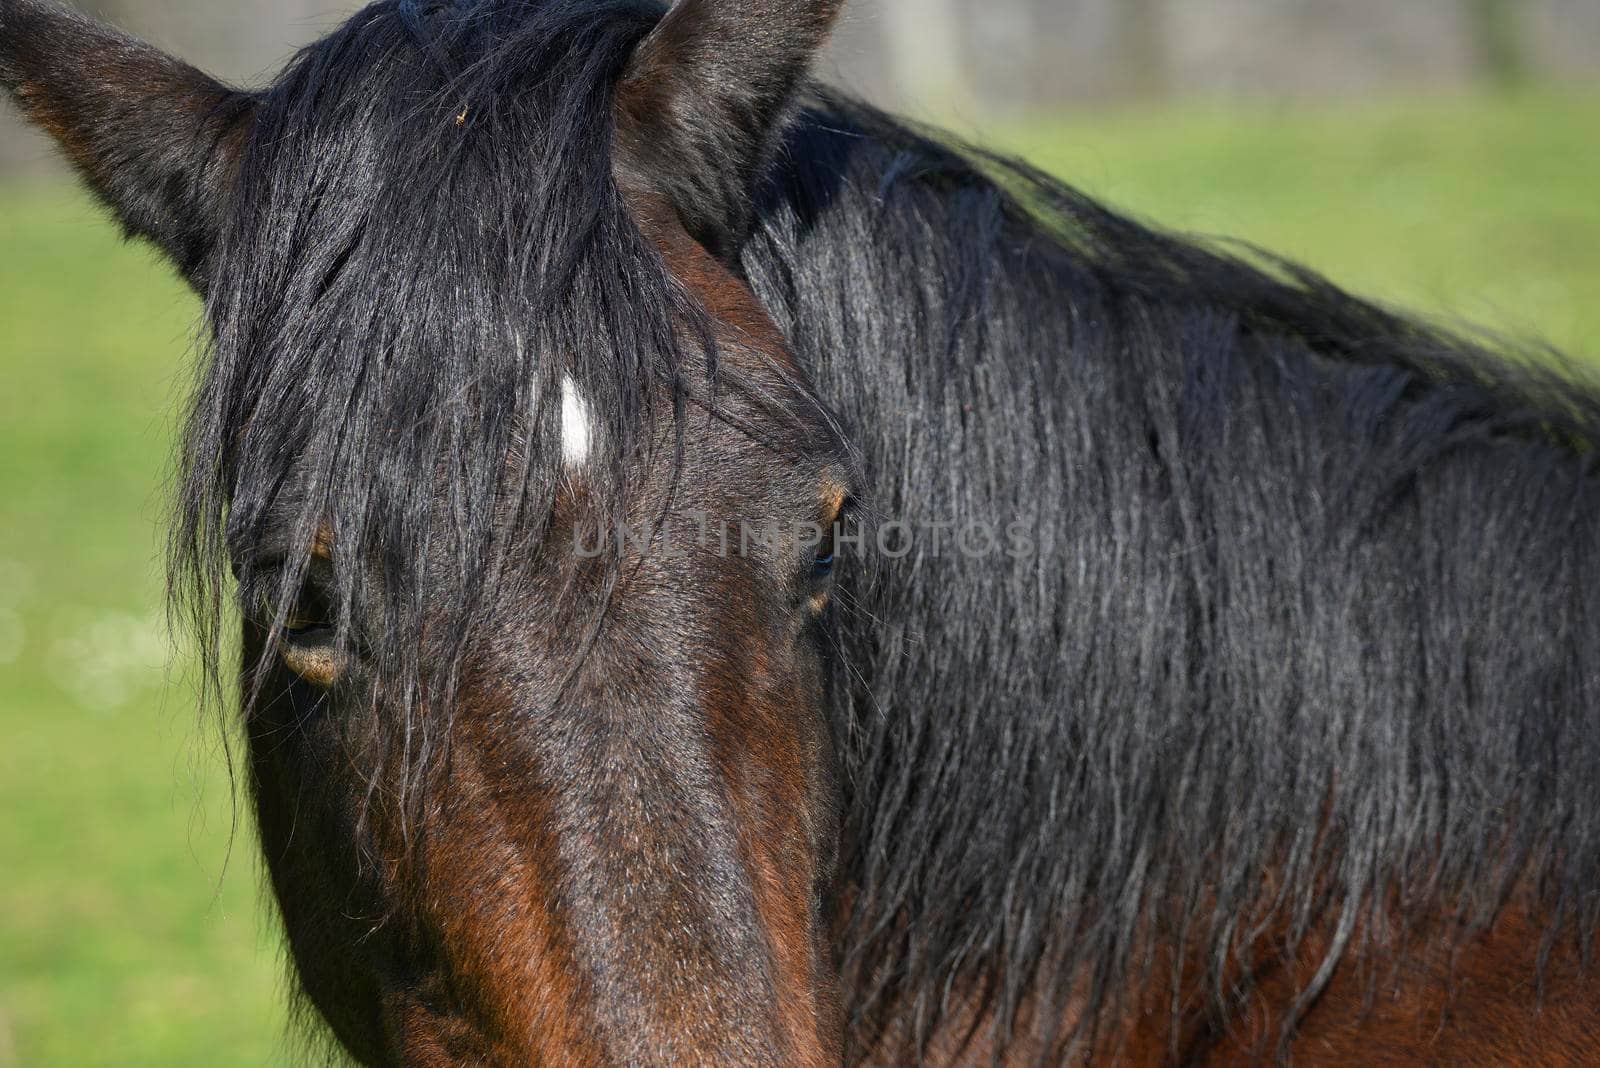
(986, 57)
(243, 41)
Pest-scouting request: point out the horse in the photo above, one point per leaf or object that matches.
(722, 575)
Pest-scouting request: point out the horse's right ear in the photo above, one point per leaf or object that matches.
(156, 139)
(702, 105)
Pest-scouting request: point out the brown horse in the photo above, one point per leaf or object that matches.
(728, 579)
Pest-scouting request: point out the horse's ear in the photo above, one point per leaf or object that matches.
(702, 105)
(156, 139)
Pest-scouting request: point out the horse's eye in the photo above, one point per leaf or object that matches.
(298, 627)
(311, 616)
(826, 555)
(822, 567)
(307, 638)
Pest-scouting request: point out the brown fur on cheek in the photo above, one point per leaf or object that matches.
(447, 950)
(515, 995)
(763, 711)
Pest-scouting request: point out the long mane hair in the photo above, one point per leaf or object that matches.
(1299, 644)
(1302, 649)
(448, 244)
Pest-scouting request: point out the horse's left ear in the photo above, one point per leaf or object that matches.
(156, 139)
(702, 105)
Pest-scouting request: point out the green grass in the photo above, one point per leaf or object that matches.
(125, 938)
(1482, 209)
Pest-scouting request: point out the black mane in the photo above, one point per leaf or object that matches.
(1305, 644)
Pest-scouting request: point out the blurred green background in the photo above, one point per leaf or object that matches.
(131, 925)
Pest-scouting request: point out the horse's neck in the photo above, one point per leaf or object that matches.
(1295, 582)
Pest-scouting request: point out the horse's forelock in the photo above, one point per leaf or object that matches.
(427, 251)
